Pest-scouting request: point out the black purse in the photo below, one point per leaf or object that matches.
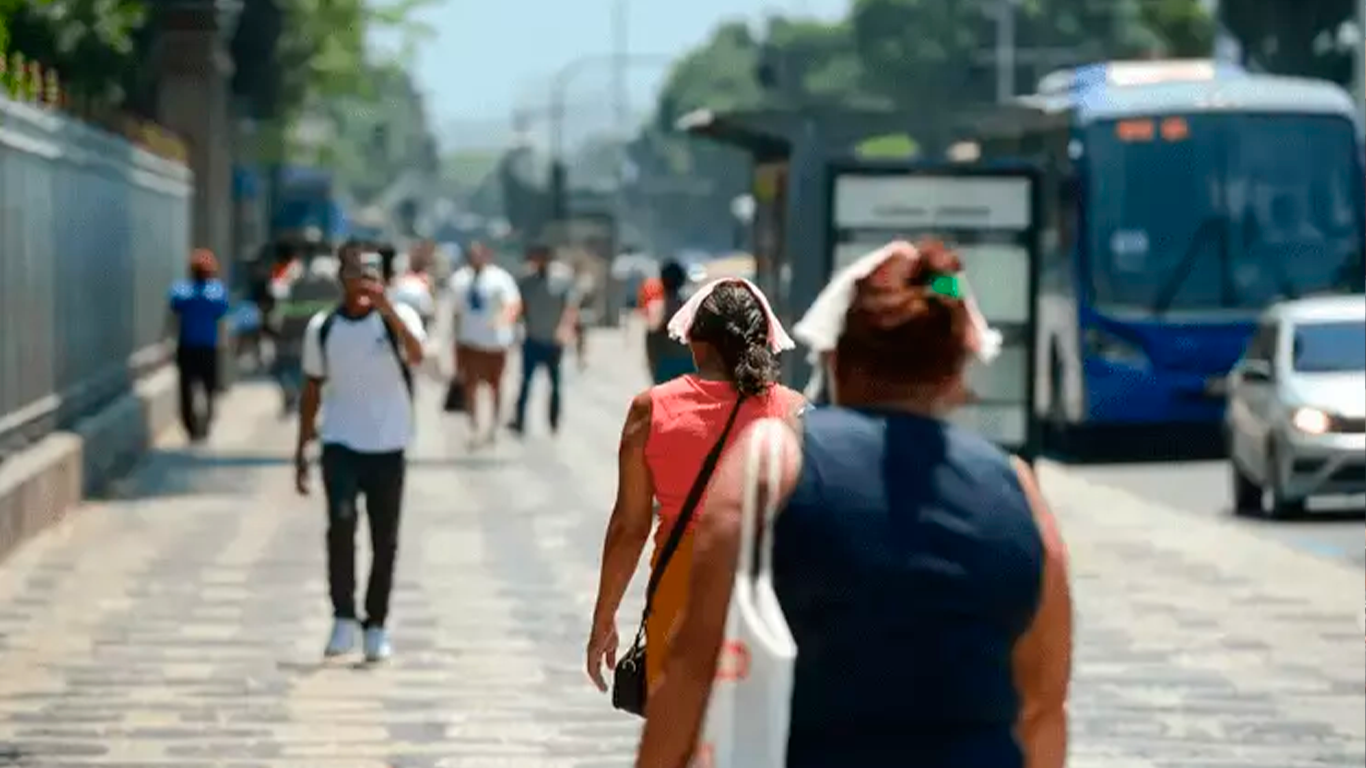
(630, 687)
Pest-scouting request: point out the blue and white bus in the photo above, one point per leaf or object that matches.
(1180, 199)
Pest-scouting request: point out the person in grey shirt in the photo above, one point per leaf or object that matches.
(549, 312)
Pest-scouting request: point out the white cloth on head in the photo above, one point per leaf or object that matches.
(820, 328)
(681, 323)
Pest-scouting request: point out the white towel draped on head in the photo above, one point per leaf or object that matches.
(821, 326)
(681, 323)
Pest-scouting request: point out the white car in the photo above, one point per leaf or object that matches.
(1296, 417)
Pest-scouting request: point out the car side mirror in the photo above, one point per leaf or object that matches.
(1258, 371)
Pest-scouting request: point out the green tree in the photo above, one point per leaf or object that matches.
(373, 140)
(1293, 38)
(91, 43)
(942, 52)
(722, 74)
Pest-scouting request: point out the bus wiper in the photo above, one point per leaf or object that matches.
(1214, 223)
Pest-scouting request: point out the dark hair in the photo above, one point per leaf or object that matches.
(539, 251)
(898, 330)
(673, 277)
(387, 254)
(733, 321)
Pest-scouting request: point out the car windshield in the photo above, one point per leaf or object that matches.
(1336, 347)
(1230, 211)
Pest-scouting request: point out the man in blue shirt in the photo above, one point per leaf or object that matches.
(199, 304)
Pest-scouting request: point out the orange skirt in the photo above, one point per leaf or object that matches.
(670, 601)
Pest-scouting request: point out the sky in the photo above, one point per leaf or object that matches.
(491, 58)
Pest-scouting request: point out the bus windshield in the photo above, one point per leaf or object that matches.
(1222, 211)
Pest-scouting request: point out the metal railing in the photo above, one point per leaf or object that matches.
(93, 229)
(27, 81)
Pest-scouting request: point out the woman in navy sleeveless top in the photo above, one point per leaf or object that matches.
(917, 566)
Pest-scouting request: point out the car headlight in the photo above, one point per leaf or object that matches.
(1113, 349)
(1311, 421)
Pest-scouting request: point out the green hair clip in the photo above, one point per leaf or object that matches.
(947, 285)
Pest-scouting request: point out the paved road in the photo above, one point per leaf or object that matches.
(1334, 529)
(180, 624)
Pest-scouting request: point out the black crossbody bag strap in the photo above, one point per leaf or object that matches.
(685, 515)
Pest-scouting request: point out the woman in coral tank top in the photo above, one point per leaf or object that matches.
(670, 429)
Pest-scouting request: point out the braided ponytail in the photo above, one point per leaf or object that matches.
(734, 322)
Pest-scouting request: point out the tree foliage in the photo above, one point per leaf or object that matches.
(91, 43)
(887, 55)
(375, 140)
(943, 51)
(1293, 38)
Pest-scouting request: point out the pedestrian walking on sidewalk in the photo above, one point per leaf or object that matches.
(550, 309)
(307, 290)
(669, 446)
(486, 305)
(667, 359)
(413, 285)
(364, 350)
(917, 567)
(199, 304)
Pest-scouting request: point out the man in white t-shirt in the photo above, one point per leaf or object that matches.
(486, 304)
(364, 351)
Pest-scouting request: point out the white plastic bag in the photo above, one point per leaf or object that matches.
(751, 699)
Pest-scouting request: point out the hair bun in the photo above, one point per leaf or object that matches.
(897, 328)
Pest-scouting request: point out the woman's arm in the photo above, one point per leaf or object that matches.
(1043, 657)
(627, 532)
(673, 718)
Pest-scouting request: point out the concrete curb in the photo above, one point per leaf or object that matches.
(39, 486)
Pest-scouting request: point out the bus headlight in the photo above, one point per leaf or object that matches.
(1114, 350)
(1311, 421)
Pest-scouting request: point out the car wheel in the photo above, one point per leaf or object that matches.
(1281, 507)
(1247, 495)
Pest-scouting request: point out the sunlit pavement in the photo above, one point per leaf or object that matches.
(182, 624)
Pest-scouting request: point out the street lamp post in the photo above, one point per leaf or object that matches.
(1005, 51)
(559, 202)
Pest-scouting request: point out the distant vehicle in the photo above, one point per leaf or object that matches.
(307, 203)
(1296, 417)
(1180, 199)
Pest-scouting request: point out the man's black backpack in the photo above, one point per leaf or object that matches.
(388, 334)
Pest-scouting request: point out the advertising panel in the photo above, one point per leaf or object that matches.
(989, 219)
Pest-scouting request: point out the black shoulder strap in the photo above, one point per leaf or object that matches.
(398, 355)
(685, 515)
(323, 331)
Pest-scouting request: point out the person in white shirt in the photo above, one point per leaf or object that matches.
(413, 285)
(364, 351)
(486, 305)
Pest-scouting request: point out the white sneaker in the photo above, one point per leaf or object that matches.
(377, 644)
(343, 639)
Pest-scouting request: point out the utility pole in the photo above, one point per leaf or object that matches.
(1005, 50)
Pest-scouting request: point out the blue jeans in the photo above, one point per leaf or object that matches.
(289, 374)
(535, 355)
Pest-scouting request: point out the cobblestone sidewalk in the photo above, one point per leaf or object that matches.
(181, 624)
